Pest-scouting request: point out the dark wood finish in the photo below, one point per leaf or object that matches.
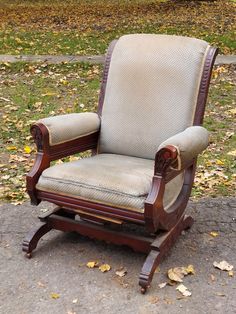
(158, 249)
(155, 218)
(33, 237)
(105, 76)
(47, 153)
(204, 85)
(156, 246)
(91, 207)
(53, 152)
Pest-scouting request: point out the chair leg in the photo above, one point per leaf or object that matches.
(148, 270)
(159, 248)
(31, 240)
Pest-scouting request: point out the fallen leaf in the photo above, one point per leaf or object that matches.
(233, 111)
(219, 162)
(232, 153)
(214, 234)
(157, 270)
(168, 301)
(121, 272)
(27, 149)
(4, 99)
(40, 284)
(153, 300)
(11, 147)
(104, 268)
(55, 295)
(184, 290)
(92, 264)
(223, 265)
(190, 270)
(177, 273)
(187, 293)
(49, 93)
(231, 273)
(162, 285)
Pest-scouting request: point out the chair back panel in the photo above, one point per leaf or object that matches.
(151, 92)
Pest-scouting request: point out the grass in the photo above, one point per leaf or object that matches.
(86, 27)
(32, 91)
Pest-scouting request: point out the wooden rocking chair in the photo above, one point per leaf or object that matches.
(145, 139)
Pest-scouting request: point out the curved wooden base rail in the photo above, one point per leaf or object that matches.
(155, 245)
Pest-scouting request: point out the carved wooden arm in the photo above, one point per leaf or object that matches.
(175, 155)
(165, 157)
(40, 135)
(49, 148)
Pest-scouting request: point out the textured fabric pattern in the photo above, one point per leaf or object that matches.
(189, 143)
(110, 179)
(172, 191)
(70, 126)
(151, 92)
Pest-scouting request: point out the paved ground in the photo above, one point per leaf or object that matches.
(221, 59)
(59, 266)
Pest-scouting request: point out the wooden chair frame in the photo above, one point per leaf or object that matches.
(162, 228)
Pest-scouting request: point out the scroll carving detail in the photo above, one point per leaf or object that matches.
(37, 136)
(164, 158)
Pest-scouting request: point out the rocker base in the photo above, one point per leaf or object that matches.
(156, 246)
(159, 248)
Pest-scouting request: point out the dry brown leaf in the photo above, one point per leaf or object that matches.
(104, 268)
(162, 285)
(184, 290)
(153, 300)
(40, 284)
(121, 272)
(190, 269)
(92, 264)
(223, 265)
(231, 273)
(176, 274)
(232, 153)
(232, 111)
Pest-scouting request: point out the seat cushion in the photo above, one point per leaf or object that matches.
(117, 180)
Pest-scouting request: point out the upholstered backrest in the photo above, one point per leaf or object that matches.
(151, 92)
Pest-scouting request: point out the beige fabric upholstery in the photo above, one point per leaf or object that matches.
(189, 143)
(110, 179)
(151, 92)
(70, 126)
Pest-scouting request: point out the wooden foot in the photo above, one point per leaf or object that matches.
(32, 238)
(159, 247)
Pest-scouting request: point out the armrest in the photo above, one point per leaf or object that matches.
(69, 127)
(188, 144)
(58, 137)
(64, 135)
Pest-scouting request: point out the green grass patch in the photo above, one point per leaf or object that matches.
(86, 27)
